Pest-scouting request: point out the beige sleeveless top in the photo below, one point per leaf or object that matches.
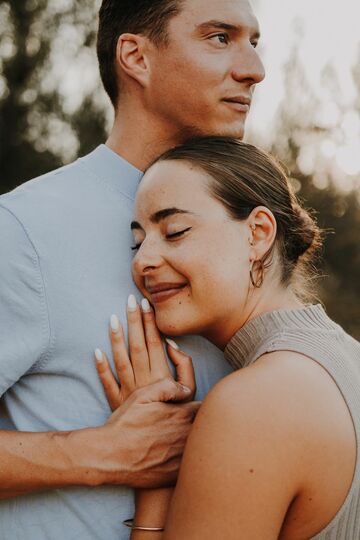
(309, 331)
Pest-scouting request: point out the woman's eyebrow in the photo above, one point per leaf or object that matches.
(160, 215)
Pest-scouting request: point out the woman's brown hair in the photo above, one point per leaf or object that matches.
(243, 177)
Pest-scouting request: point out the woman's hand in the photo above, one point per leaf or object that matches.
(146, 361)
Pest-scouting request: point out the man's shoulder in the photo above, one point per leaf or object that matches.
(40, 186)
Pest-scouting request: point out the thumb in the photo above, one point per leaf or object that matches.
(185, 374)
(164, 390)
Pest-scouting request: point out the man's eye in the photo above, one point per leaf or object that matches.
(222, 38)
(178, 233)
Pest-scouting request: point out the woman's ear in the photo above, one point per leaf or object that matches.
(262, 232)
(131, 57)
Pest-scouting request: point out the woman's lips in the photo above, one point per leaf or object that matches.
(164, 292)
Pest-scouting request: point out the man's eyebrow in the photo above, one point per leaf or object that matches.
(221, 25)
(160, 215)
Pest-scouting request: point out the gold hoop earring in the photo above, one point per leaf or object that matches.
(259, 280)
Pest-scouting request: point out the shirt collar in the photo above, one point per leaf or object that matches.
(108, 166)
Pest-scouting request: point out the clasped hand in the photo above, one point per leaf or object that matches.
(154, 427)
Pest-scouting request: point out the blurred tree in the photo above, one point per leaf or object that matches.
(35, 126)
(300, 134)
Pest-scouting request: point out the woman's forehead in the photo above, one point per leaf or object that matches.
(174, 183)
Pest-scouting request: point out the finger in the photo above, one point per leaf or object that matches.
(185, 374)
(137, 345)
(110, 384)
(121, 358)
(159, 366)
(192, 407)
(164, 390)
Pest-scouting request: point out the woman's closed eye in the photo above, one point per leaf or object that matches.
(168, 236)
(177, 234)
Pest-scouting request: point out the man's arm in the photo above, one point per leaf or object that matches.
(140, 446)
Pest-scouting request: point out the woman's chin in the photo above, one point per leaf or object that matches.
(174, 328)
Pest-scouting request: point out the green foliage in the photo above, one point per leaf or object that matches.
(33, 114)
(337, 212)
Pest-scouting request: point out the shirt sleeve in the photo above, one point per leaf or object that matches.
(24, 321)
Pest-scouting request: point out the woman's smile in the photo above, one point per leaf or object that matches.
(163, 291)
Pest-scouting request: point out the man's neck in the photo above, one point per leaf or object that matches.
(139, 137)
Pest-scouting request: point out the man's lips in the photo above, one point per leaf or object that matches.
(239, 103)
(164, 291)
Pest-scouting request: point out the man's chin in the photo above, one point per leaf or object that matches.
(235, 131)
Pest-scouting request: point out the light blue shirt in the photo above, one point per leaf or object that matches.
(64, 269)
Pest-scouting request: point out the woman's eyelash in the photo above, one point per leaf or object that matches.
(179, 233)
(172, 235)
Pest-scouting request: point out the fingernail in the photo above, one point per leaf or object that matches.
(185, 389)
(98, 355)
(114, 323)
(145, 305)
(132, 305)
(172, 344)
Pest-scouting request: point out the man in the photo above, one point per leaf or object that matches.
(172, 68)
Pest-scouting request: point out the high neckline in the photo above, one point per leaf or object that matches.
(242, 348)
(113, 169)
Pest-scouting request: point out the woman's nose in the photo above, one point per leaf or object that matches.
(146, 259)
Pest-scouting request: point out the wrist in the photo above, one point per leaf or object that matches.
(90, 455)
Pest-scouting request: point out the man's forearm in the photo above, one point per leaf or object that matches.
(40, 461)
(140, 446)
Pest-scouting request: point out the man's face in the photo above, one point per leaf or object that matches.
(202, 81)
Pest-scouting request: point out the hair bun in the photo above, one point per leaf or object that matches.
(305, 235)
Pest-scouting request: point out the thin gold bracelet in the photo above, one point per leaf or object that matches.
(130, 524)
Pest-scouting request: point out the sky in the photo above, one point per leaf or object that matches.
(330, 35)
(326, 33)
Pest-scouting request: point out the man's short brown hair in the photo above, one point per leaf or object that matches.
(147, 17)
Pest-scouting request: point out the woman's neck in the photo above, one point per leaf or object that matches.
(259, 301)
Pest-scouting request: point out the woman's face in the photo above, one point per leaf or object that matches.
(192, 259)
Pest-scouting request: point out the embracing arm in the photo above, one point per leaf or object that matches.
(140, 446)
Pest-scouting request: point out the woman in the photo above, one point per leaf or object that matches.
(222, 247)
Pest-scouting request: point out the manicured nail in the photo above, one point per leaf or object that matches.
(98, 355)
(114, 324)
(145, 305)
(172, 344)
(132, 305)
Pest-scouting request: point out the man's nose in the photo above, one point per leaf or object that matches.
(248, 66)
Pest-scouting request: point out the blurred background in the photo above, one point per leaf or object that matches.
(307, 112)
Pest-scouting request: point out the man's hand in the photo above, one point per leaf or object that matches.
(147, 435)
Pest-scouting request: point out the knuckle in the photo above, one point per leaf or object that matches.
(137, 348)
(153, 340)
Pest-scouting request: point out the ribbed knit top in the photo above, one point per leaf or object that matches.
(311, 332)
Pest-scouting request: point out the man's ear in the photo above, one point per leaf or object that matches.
(262, 231)
(131, 57)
